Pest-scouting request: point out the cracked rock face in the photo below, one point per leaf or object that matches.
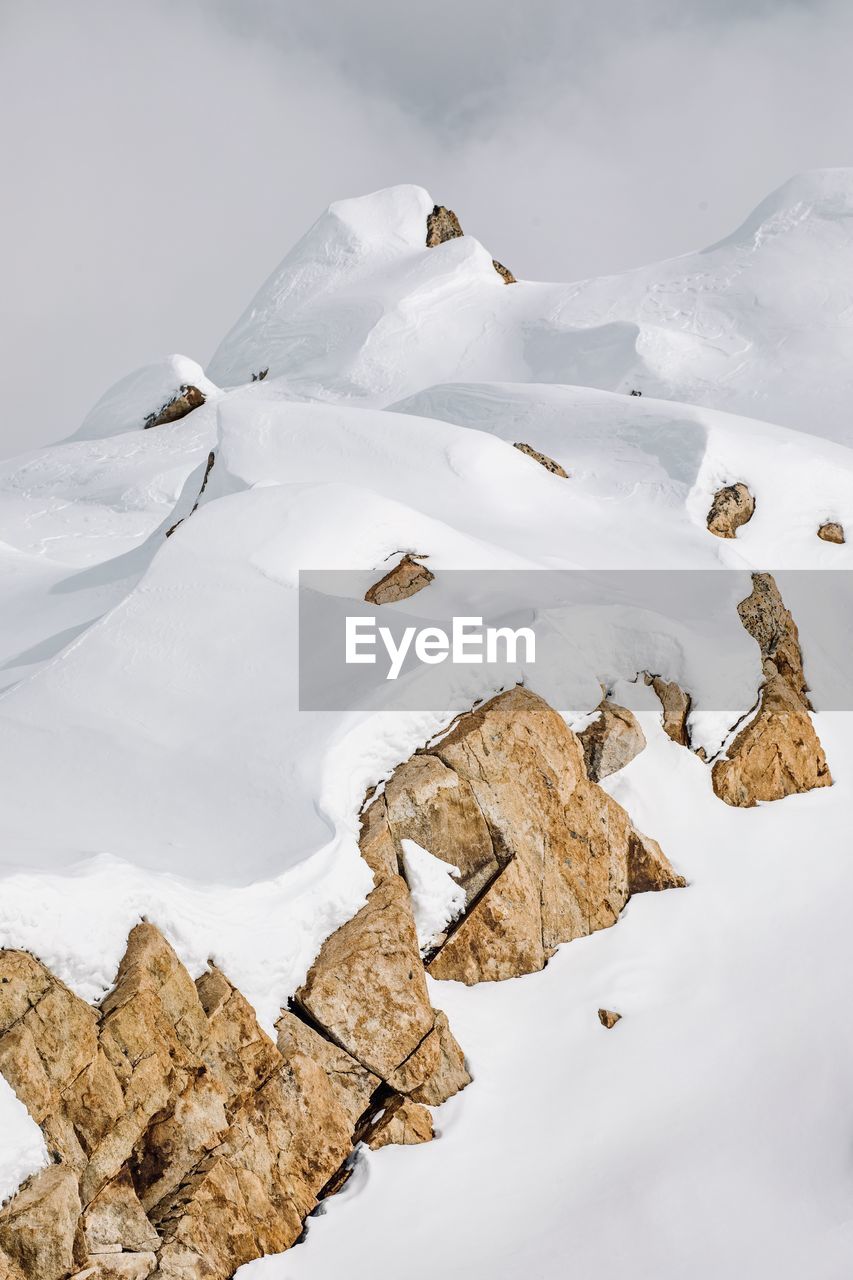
(185, 1142)
(442, 225)
(675, 708)
(404, 580)
(778, 752)
(733, 506)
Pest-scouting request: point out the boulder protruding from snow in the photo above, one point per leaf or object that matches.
(611, 741)
(504, 272)
(608, 1018)
(187, 399)
(404, 580)
(442, 225)
(675, 708)
(553, 856)
(832, 531)
(777, 753)
(733, 506)
(542, 458)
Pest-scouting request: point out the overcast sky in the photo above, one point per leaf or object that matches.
(161, 156)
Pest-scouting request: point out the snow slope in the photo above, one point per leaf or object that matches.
(156, 764)
(760, 324)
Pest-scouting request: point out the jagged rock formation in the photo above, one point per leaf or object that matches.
(733, 506)
(185, 1142)
(532, 881)
(404, 580)
(611, 741)
(777, 753)
(832, 531)
(442, 225)
(542, 458)
(187, 399)
(675, 706)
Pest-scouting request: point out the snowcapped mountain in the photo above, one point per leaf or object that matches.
(157, 764)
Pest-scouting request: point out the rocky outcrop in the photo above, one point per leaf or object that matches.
(546, 855)
(208, 467)
(608, 1018)
(442, 225)
(187, 399)
(733, 506)
(404, 580)
(675, 706)
(504, 272)
(611, 741)
(186, 1143)
(832, 531)
(542, 458)
(777, 753)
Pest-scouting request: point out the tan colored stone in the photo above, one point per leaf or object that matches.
(64, 1029)
(568, 845)
(367, 987)
(451, 1075)
(764, 615)
(171, 1146)
(376, 841)
(832, 531)
(353, 1084)
(776, 754)
(38, 1226)
(408, 1125)
(442, 225)
(187, 399)
(733, 506)
(429, 803)
(542, 458)
(404, 580)
(9, 1269)
(94, 1102)
(649, 870)
(611, 741)
(239, 1056)
(608, 1018)
(675, 706)
(22, 1067)
(504, 272)
(116, 1220)
(23, 982)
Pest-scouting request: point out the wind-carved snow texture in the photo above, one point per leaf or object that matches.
(156, 765)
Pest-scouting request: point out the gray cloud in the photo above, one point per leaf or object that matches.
(160, 158)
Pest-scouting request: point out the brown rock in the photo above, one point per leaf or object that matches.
(431, 804)
(442, 225)
(675, 705)
(187, 399)
(542, 458)
(649, 869)
(410, 1124)
(451, 1074)
(116, 1220)
(239, 1056)
(367, 987)
(37, 1227)
(611, 741)
(608, 1018)
(831, 531)
(732, 507)
(566, 846)
(777, 754)
(404, 580)
(504, 272)
(9, 1269)
(352, 1084)
(376, 842)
